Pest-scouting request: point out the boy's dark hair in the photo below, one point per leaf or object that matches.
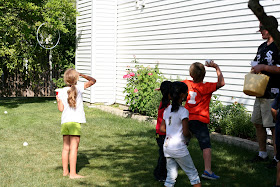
(177, 89)
(165, 91)
(273, 21)
(197, 72)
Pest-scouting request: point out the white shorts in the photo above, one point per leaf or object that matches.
(262, 112)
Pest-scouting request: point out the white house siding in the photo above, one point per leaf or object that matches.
(96, 51)
(84, 37)
(176, 33)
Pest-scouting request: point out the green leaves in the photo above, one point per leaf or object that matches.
(19, 49)
(231, 119)
(140, 89)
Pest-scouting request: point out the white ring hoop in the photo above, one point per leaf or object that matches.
(39, 41)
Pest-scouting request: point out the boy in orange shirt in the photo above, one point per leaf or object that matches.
(198, 100)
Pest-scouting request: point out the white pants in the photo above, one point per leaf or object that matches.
(186, 164)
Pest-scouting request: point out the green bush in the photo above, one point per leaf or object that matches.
(231, 119)
(140, 89)
(59, 83)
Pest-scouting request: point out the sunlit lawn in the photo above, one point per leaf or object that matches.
(114, 151)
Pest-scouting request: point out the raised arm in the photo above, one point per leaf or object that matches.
(91, 80)
(221, 80)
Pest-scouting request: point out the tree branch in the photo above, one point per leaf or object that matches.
(258, 10)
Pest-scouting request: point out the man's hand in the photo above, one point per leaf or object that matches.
(258, 68)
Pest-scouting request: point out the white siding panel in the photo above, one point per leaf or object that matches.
(85, 12)
(104, 50)
(174, 34)
(83, 50)
(84, 8)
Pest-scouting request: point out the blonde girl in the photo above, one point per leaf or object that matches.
(70, 103)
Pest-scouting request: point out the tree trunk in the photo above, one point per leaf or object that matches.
(258, 10)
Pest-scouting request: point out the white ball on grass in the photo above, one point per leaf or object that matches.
(25, 144)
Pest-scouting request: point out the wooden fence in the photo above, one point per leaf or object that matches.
(17, 84)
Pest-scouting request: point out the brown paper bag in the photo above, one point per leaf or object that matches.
(255, 84)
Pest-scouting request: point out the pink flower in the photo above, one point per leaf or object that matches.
(132, 74)
(127, 76)
(135, 90)
(149, 73)
(138, 75)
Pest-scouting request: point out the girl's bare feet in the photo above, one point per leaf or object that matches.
(65, 174)
(76, 176)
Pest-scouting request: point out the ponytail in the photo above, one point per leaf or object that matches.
(71, 77)
(175, 102)
(165, 91)
(72, 96)
(164, 101)
(177, 89)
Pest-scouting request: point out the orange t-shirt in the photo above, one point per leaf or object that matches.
(198, 100)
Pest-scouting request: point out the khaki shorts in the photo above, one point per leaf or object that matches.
(262, 112)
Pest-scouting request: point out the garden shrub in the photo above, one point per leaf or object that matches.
(140, 89)
(233, 119)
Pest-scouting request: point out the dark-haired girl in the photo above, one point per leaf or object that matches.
(160, 170)
(175, 124)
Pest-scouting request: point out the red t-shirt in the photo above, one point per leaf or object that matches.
(198, 100)
(159, 119)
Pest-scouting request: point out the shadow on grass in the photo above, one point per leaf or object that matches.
(14, 102)
(132, 163)
(82, 161)
(232, 164)
(129, 115)
(128, 163)
(128, 156)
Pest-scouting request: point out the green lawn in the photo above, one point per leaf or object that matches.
(114, 151)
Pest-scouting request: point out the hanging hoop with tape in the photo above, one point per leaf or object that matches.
(45, 37)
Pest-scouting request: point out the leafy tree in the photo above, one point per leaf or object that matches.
(19, 49)
(258, 10)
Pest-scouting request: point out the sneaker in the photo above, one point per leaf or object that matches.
(208, 176)
(259, 159)
(272, 164)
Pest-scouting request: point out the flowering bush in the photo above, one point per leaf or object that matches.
(140, 89)
(231, 119)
